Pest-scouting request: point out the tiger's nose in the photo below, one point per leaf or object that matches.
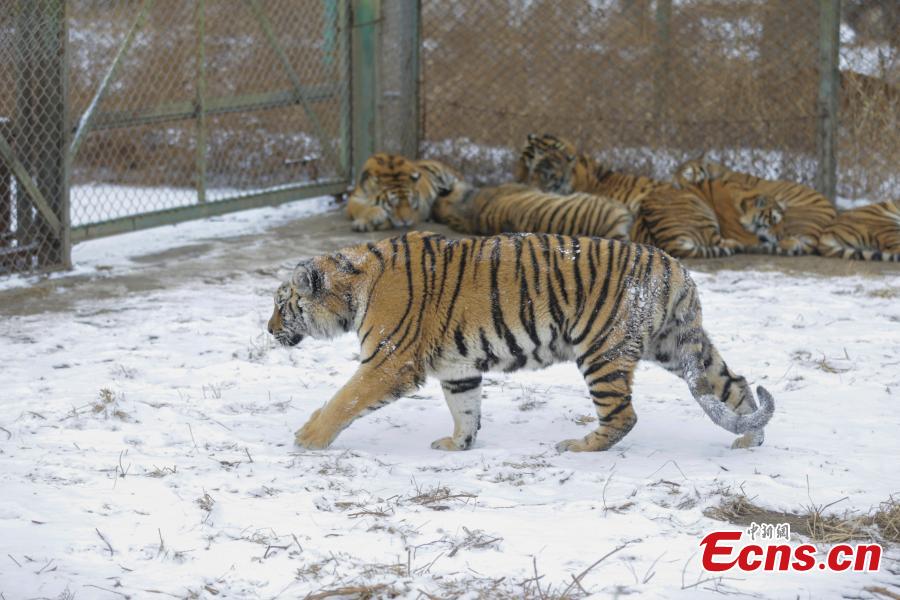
(269, 327)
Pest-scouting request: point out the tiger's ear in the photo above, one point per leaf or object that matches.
(307, 279)
(532, 138)
(415, 175)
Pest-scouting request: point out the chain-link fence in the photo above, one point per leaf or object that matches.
(644, 85)
(119, 114)
(185, 103)
(33, 210)
(869, 135)
(146, 112)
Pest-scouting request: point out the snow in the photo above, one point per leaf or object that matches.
(98, 202)
(118, 251)
(181, 480)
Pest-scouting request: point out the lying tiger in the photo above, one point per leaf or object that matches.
(867, 233)
(806, 211)
(514, 207)
(754, 220)
(552, 164)
(660, 220)
(396, 192)
(423, 305)
(681, 222)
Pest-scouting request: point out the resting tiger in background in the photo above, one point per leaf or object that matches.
(423, 305)
(806, 212)
(552, 164)
(752, 219)
(866, 233)
(678, 221)
(514, 207)
(396, 192)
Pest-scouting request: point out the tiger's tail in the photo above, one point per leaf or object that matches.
(722, 394)
(726, 418)
(848, 253)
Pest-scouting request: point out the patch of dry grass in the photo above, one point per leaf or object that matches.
(880, 525)
(888, 292)
(438, 498)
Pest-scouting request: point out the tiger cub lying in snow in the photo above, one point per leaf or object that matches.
(422, 305)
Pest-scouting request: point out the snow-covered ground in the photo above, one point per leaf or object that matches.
(146, 451)
(99, 202)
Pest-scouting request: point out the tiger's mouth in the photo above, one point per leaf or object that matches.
(288, 339)
(402, 223)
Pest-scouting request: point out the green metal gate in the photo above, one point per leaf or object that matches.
(204, 107)
(117, 115)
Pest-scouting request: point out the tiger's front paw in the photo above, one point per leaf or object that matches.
(732, 244)
(448, 444)
(361, 225)
(794, 246)
(314, 435)
(373, 220)
(572, 446)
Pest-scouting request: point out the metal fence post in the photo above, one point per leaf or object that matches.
(364, 80)
(200, 18)
(398, 78)
(829, 88)
(41, 136)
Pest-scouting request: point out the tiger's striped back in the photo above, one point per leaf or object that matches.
(514, 208)
(682, 224)
(593, 177)
(866, 233)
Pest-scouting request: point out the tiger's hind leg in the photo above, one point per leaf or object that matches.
(464, 400)
(609, 382)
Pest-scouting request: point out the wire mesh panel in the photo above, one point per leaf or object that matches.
(33, 202)
(188, 104)
(640, 84)
(869, 135)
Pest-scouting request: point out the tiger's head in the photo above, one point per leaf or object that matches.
(762, 216)
(698, 170)
(317, 301)
(398, 186)
(548, 163)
